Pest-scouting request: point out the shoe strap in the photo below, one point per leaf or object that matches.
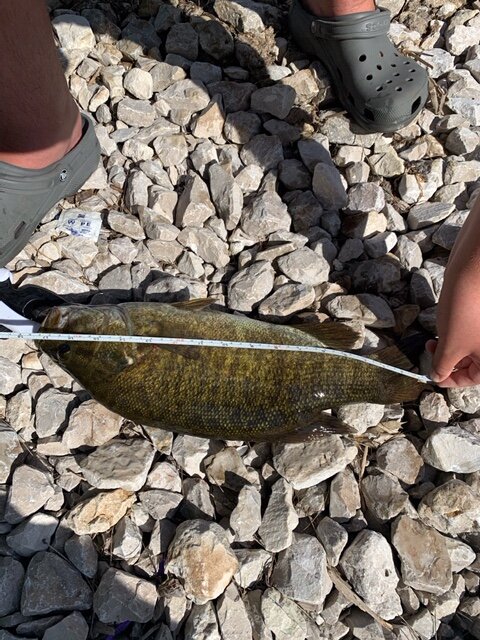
(356, 26)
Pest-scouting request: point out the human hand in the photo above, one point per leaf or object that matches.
(456, 354)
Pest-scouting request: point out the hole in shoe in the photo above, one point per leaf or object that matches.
(390, 81)
(19, 230)
(369, 77)
(396, 75)
(369, 115)
(381, 54)
(362, 58)
(398, 89)
(410, 80)
(379, 88)
(379, 67)
(393, 65)
(412, 70)
(406, 62)
(416, 104)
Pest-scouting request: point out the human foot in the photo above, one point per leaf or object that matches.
(381, 89)
(28, 194)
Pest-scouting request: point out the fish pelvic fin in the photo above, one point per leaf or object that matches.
(196, 304)
(332, 334)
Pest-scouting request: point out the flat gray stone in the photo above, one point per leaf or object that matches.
(121, 596)
(424, 556)
(423, 215)
(10, 449)
(384, 496)
(137, 113)
(52, 585)
(277, 99)
(202, 623)
(367, 563)
(264, 214)
(264, 151)
(206, 244)
(452, 508)
(250, 286)
(201, 557)
(11, 582)
(246, 518)
(74, 32)
(366, 197)
(328, 187)
(333, 537)
(227, 195)
(309, 463)
(32, 535)
(371, 309)
(454, 448)
(233, 619)
(279, 519)
(73, 627)
(82, 553)
(305, 267)
(30, 491)
(283, 616)
(91, 425)
(399, 457)
(119, 464)
(301, 571)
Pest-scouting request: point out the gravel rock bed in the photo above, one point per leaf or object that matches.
(229, 171)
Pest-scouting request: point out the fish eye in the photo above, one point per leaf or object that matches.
(63, 349)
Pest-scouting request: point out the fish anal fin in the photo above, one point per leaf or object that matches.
(332, 334)
(196, 304)
(324, 425)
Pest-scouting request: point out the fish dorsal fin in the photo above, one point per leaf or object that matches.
(393, 356)
(332, 334)
(196, 304)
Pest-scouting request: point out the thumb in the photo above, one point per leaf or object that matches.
(444, 361)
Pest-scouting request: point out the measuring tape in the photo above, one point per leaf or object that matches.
(197, 342)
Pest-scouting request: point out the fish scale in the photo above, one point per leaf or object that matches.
(212, 392)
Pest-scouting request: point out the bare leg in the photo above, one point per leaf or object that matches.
(332, 8)
(39, 120)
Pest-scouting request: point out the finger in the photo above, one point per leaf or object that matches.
(463, 377)
(444, 361)
(464, 363)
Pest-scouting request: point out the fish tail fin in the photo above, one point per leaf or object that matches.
(401, 388)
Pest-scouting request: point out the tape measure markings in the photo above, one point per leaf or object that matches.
(197, 342)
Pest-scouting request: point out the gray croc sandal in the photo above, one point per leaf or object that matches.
(27, 195)
(380, 88)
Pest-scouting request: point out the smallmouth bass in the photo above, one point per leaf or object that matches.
(233, 394)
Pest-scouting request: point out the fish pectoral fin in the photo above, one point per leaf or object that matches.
(324, 425)
(332, 334)
(191, 353)
(196, 304)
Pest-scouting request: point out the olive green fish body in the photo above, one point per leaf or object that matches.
(209, 391)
